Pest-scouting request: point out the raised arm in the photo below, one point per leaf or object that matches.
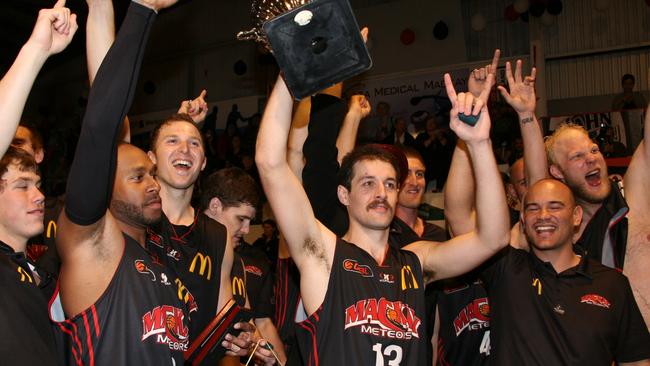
(196, 108)
(52, 33)
(358, 109)
(637, 177)
(297, 137)
(310, 244)
(465, 252)
(459, 192)
(523, 99)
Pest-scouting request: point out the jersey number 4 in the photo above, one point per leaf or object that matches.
(392, 351)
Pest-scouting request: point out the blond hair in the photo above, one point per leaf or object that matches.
(550, 141)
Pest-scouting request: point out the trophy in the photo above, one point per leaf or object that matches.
(316, 43)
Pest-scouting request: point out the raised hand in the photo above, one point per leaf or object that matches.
(196, 108)
(359, 104)
(484, 77)
(467, 104)
(54, 29)
(522, 90)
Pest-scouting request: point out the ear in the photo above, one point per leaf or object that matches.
(577, 216)
(556, 172)
(215, 206)
(205, 162)
(39, 155)
(343, 194)
(152, 156)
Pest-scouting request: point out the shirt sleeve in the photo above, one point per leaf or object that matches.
(92, 173)
(633, 342)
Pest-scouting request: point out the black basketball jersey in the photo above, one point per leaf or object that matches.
(27, 337)
(195, 254)
(238, 280)
(372, 314)
(464, 319)
(138, 320)
(259, 280)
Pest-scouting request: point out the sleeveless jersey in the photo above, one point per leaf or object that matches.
(138, 320)
(372, 314)
(194, 254)
(238, 280)
(464, 319)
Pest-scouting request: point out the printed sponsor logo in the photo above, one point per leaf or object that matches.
(383, 318)
(254, 270)
(206, 263)
(186, 296)
(174, 254)
(593, 299)
(474, 316)
(238, 287)
(166, 325)
(408, 278)
(386, 277)
(163, 279)
(141, 267)
(24, 275)
(351, 265)
(51, 229)
(154, 239)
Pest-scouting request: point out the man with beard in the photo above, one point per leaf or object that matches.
(554, 306)
(349, 289)
(614, 230)
(117, 296)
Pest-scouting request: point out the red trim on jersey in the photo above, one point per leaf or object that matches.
(74, 353)
(309, 327)
(89, 341)
(441, 354)
(75, 334)
(189, 230)
(93, 309)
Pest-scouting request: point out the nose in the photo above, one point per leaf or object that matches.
(153, 185)
(544, 213)
(184, 146)
(381, 191)
(39, 198)
(245, 227)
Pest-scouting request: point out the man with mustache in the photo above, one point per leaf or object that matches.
(365, 300)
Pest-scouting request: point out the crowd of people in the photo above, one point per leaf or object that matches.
(548, 265)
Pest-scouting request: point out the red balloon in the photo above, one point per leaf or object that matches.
(407, 37)
(647, 2)
(511, 14)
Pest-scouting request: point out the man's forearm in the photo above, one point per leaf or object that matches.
(535, 163)
(109, 100)
(492, 220)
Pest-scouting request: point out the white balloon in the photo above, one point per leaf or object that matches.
(548, 19)
(601, 5)
(521, 6)
(478, 22)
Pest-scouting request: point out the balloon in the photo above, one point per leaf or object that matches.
(510, 13)
(521, 6)
(440, 30)
(554, 7)
(537, 8)
(240, 67)
(407, 36)
(478, 22)
(263, 10)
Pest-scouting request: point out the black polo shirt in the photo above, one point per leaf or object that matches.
(259, 280)
(585, 315)
(27, 337)
(401, 234)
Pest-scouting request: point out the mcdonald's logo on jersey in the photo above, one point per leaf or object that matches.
(408, 278)
(206, 263)
(238, 287)
(24, 275)
(51, 229)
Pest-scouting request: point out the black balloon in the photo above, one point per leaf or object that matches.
(554, 7)
(240, 67)
(264, 10)
(537, 9)
(440, 30)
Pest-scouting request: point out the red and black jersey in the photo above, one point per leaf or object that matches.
(464, 320)
(138, 320)
(27, 335)
(259, 280)
(287, 307)
(238, 280)
(195, 254)
(372, 314)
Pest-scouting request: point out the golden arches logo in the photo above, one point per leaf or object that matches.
(408, 278)
(24, 275)
(537, 283)
(238, 287)
(51, 227)
(206, 262)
